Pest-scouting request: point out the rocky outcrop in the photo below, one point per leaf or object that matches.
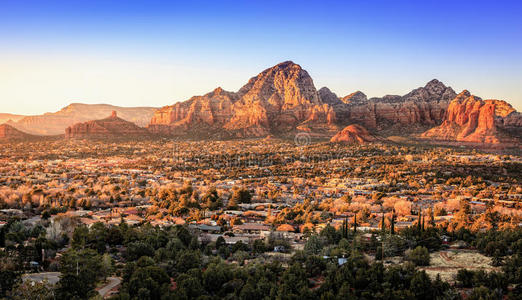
(111, 127)
(55, 123)
(329, 97)
(9, 133)
(203, 114)
(471, 119)
(279, 100)
(282, 100)
(353, 134)
(420, 109)
(355, 98)
(414, 112)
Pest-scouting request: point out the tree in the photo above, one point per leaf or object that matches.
(30, 290)
(211, 199)
(138, 249)
(241, 195)
(331, 235)
(259, 246)
(483, 293)
(497, 259)
(149, 282)
(314, 265)
(8, 278)
(421, 285)
(392, 226)
(465, 278)
(80, 269)
(419, 256)
(344, 228)
(313, 245)
(188, 260)
(189, 287)
(378, 253)
(80, 237)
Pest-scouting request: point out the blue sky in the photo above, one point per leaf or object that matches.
(155, 53)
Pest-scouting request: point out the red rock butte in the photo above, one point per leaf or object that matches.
(113, 127)
(353, 134)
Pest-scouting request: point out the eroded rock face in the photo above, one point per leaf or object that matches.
(353, 134)
(8, 133)
(207, 112)
(329, 97)
(111, 127)
(283, 99)
(471, 119)
(421, 107)
(279, 99)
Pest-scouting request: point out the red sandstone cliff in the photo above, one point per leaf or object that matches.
(471, 119)
(278, 100)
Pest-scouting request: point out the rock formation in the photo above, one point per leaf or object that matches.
(471, 119)
(279, 100)
(283, 100)
(9, 133)
(353, 134)
(111, 127)
(55, 123)
(420, 109)
(355, 98)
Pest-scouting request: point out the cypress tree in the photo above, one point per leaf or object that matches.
(392, 226)
(419, 217)
(383, 227)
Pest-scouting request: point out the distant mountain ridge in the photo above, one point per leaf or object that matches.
(4, 117)
(55, 123)
(282, 101)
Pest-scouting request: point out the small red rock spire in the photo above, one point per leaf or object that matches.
(114, 114)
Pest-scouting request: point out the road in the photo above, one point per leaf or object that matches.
(113, 282)
(54, 277)
(51, 277)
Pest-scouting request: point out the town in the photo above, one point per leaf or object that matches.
(250, 200)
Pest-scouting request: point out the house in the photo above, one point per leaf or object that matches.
(252, 228)
(206, 228)
(279, 249)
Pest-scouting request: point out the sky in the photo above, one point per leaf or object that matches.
(155, 53)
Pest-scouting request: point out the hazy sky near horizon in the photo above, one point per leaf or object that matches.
(155, 53)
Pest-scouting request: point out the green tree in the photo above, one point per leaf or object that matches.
(419, 256)
(80, 269)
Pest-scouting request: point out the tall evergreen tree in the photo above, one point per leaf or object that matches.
(392, 226)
